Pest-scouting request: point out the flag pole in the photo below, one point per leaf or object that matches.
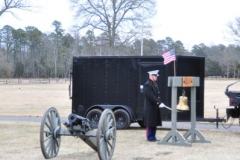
(174, 69)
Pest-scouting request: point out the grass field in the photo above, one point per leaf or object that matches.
(34, 99)
(20, 140)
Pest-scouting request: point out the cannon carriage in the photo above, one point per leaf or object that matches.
(102, 141)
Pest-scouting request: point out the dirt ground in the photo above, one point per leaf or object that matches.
(20, 140)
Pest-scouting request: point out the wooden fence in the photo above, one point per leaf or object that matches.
(63, 80)
(32, 81)
(219, 78)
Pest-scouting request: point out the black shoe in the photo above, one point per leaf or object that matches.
(152, 140)
(155, 140)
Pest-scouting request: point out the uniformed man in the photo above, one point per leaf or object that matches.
(152, 101)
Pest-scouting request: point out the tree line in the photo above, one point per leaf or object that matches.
(29, 53)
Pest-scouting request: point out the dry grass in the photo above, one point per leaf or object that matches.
(34, 99)
(20, 140)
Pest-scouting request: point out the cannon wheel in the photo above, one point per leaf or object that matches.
(106, 135)
(49, 138)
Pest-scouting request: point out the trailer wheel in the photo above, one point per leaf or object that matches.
(122, 119)
(94, 117)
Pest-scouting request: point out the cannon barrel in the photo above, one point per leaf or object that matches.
(77, 120)
(78, 125)
(226, 91)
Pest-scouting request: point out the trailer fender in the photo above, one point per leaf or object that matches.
(93, 107)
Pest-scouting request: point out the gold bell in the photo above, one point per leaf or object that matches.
(182, 104)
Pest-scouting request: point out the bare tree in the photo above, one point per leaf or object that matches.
(10, 5)
(235, 29)
(122, 19)
(230, 59)
(57, 40)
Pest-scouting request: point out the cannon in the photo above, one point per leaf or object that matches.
(102, 141)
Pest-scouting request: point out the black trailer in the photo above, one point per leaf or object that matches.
(115, 82)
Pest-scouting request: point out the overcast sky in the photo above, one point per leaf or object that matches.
(190, 21)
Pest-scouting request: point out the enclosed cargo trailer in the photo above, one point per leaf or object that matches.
(116, 82)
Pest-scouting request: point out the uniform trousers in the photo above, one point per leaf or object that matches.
(151, 133)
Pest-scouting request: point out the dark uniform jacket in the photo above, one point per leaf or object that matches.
(152, 114)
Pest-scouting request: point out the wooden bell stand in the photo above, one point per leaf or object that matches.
(177, 138)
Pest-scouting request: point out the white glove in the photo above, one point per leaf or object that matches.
(162, 105)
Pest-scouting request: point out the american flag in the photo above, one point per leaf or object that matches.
(169, 57)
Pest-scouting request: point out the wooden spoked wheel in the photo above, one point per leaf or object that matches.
(106, 135)
(49, 133)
